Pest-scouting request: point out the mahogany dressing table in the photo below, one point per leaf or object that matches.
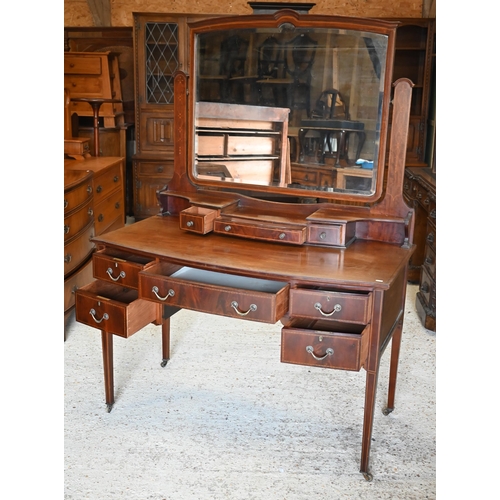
(329, 263)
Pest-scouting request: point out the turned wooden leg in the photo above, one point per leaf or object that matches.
(393, 372)
(165, 341)
(370, 393)
(107, 355)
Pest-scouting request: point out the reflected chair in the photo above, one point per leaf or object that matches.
(299, 60)
(330, 120)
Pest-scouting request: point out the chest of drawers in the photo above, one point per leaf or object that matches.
(109, 190)
(78, 229)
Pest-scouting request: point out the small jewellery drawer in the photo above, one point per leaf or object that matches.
(342, 306)
(119, 267)
(107, 182)
(198, 219)
(261, 231)
(78, 248)
(317, 343)
(108, 210)
(77, 220)
(87, 65)
(113, 309)
(338, 235)
(215, 293)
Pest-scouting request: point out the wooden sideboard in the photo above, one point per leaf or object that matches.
(420, 192)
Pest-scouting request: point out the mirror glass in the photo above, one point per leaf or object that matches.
(293, 108)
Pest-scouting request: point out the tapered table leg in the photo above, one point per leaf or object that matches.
(165, 341)
(107, 355)
(393, 371)
(370, 394)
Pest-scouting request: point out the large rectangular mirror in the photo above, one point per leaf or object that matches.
(291, 104)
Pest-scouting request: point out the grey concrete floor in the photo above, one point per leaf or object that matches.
(226, 420)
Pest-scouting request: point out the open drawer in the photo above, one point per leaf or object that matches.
(324, 343)
(119, 267)
(216, 293)
(113, 309)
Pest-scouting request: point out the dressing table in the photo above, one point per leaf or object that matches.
(329, 263)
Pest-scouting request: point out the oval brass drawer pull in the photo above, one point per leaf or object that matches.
(105, 316)
(170, 293)
(310, 350)
(109, 271)
(336, 308)
(234, 305)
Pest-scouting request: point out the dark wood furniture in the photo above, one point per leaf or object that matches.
(78, 229)
(161, 47)
(330, 264)
(420, 193)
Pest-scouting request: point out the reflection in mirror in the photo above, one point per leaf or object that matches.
(297, 108)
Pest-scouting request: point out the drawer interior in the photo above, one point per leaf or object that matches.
(326, 326)
(110, 291)
(228, 280)
(124, 256)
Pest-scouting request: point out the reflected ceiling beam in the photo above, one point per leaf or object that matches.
(101, 12)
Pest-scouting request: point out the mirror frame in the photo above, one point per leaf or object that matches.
(280, 19)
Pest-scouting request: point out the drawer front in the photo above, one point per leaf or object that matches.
(113, 309)
(108, 211)
(283, 234)
(310, 347)
(428, 289)
(78, 65)
(430, 261)
(107, 182)
(213, 297)
(340, 306)
(77, 249)
(77, 196)
(305, 176)
(160, 169)
(197, 219)
(121, 269)
(81, 86)
(75, 222)
(339, 235)
(78, 279)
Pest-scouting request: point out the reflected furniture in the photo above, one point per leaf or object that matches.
(330, 265)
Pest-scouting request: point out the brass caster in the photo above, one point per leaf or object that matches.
(386, 411)
(368, 476)
(164, 363)
(109, 407)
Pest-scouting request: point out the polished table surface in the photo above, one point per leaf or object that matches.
(364, 264)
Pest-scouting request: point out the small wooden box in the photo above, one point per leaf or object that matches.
(198, 219)
(77, 147)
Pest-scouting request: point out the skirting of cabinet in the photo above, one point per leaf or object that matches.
(426, 316)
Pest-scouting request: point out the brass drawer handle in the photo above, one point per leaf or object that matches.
(234, 305)
(310, 350)
(109, 271)
(336, 308)
(99, 189)
(66, 229)
(105, 316)
(170, 293)
(189, 223)
(67, 258)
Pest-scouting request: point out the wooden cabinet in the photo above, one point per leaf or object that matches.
(161, 46)
(420, 193)
(414, 59)
(78, 228)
